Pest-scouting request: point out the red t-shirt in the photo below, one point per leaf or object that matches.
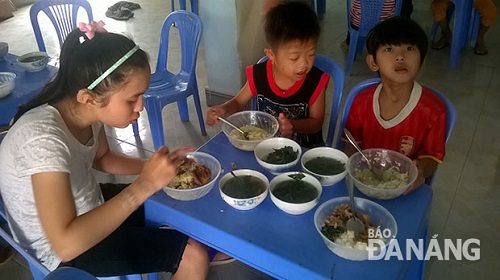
(418, 131)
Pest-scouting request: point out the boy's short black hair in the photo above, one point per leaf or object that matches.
(396, 31)
(289, 22)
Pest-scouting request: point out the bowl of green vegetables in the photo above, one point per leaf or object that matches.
(278, 155)
(327, 164)
(295, 192)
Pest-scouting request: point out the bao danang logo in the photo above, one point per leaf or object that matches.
(458, 249)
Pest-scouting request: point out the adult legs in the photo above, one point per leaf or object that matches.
(487, 10)
(439, 8)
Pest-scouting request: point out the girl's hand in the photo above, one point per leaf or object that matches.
(286, 127)
(213, 113)
(162, 167)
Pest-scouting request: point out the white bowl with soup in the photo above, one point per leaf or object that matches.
(327, 164)
(244, 189)
(295, 193)
(258, 126)
(278, 154)
(33, 61)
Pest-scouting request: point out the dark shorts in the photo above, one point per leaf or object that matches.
(132, 248)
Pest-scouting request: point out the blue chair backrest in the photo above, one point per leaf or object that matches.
(65, 273)
(62, 14)
(182, 4)
(370, 14)
(190, 30)
(336, 72)
(451, 112)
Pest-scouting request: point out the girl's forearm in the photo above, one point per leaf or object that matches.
(116, 163)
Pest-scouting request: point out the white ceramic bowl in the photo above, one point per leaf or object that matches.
(33, 61)
(256, 118)
(195, 193)
(245, 203)
(4, 50)
(294, 208)
(7, 82)
(264, 148)
(383, 159)
(325, 180)
(378, 216)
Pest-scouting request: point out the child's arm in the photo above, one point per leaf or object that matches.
(235, 104)
(114, 162)
(310, 125)
(71, 235)
(426, 167)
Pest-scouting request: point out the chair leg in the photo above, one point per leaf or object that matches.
(197, 104)
(183, 110)
(135, 128)
(194, 6)
(351, 54)
(154, 109)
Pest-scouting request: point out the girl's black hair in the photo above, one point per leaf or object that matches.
(289, 22)
(83, 60)
(396, 31)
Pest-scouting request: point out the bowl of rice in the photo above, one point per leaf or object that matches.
(195, 178)
(258, 126)
(330, 219)
(398, 173)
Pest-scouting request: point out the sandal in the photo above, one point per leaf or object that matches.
(480, 49)
(444, 41)
(221, 262)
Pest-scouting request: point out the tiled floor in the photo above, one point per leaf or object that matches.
(467, 186)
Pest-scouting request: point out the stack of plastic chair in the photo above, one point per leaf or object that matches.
(451, 112)
(336, 72)
(182, 3)
(370, 16)
(465, 27)
(166, 87)
(62, 14)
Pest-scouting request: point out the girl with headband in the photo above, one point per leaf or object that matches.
(55, 206)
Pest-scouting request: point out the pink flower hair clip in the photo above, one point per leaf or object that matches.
(91, 28)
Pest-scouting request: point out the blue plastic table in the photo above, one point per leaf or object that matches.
(28, 84)
(282, 245)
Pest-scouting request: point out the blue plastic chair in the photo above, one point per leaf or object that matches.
(451, 113)
(62, 14)
(166, 87)
(370, 16)
(65, 273)
(182, 3)
(336, 72)
(465, 27)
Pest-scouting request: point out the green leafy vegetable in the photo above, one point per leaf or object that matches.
(282, 155)
(325, 166)
(297, 176)
(332, 232)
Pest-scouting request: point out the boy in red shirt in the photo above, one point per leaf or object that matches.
(399, 114)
